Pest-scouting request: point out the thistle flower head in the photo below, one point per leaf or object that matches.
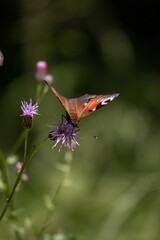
(41, 70)
(28, 111)
(65, 133)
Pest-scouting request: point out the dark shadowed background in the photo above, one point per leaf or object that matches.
(95, 47)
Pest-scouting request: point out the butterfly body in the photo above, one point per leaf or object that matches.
(77, 108)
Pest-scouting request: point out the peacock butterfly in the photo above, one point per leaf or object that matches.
(80, 107)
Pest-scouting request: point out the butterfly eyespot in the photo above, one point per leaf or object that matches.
(87, 101)
(106, 101)
(92, 110)
(85, 104)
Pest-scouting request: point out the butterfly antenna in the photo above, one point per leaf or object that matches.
(52, 88)
(47, 83)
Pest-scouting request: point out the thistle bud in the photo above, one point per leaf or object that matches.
(41, 70)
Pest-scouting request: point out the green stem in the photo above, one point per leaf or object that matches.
(3, 164)
(25, 144)
(33, 151)
(50, 212)
(41, 91)
(68, 159)
(38, 91)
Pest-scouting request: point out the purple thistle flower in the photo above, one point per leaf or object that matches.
(65, 134)
(29, 110)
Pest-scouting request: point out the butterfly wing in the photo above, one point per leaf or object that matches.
(78, 108)
(68, 104)
(64, 101)
(90, 103)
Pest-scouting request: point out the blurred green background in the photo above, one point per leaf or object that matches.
(95, 47)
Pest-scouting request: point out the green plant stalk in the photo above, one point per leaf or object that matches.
(3, 164)
(38, 91)
(5, 174)
(68, 160)
(49, 212)
(25, 144)
(41, 91)
(7, 190)
(33, 151)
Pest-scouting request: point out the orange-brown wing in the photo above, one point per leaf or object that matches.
(68, 104)
(78, 108)
(90, 103)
